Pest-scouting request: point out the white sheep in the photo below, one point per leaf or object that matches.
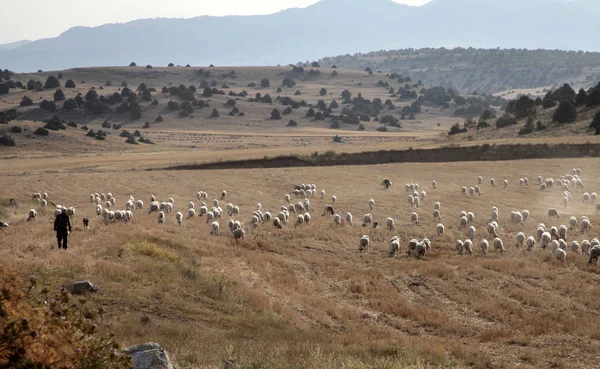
(139, 204)
(468, 246)
(505, 183)
(530, 243)
(394, 246)
(459, 247)
(386, 183)
(322, 194)
(416, 201)
(545, 240)
(191, 213)
(593, 197)
(491, 228)
(277, 223)
(520, 239)
(239, 233)
(495, 215)
(498, 244)
(470, 217)
(371, 204)
(31, 215)
(478, 190)
(575, 247)
(562, 232)
(410, 200)
(552, 212)
(299, 220)
(484, 245)
(560, 254)
(390, 224)
(437, 215)
(492, 182)
(334, 199)
(210, 216)
(472, 191)
(585, 247)
(479, 180)
(585, 225)
(464, 190)
(414, 217)
(161, 217)
(594, 255)
(472, 233)
(364, 244)
(214, 228)
(439, 229)
(179, 218)
(434, 184)
(349, 219)
(223, 194)
(306, 218)
(287, 198)
(127, 216)
(98, 209)
(367, 220)
(437, 205)
(423, 195)
(462, 222)
(586, 198)
(337, 219)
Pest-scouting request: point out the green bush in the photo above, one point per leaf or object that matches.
(16, 129)
(565, 112)
(131, 140)
(264, 83)
(59, 95)
(54, 124)
(52, 82)
(456, 129)
(41, 132)
(70, 84)
(26, 101)
(505, 121)
(48, 105)
(275, 114)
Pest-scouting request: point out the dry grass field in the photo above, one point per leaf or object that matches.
(305, 297)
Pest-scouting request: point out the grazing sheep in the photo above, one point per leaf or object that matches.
(459, 247)
(470, 217)
(525, 215)
(553, 213)
(423, 195)
(472, 191)
(349, 219)
(554, 233)
(161, 217)
(560, 254)
(394, 246)
(562, 244)
(520, 239)
(464, 190)
(479, 180)
(334, 199)
(416, 201)
(328, 210)
(412, 245)
(484, 245)
(139, 204)
(521, 182)
(562, 232)
(594, 255)
(420, 249)
(539, 178)
(71, 212)
(530, 243)
(364, 244)
(462, 222)
(495, 215)
(414, 217)
(575, 247)
(586, 198)
(526, 180)
(585, 247)
(337, 219)
(214, 228)
(31, 215)
(436, 205)
(299, 220)
(585, 226)
(545, 240)
(593, 197)
(478, 190)
(371, 204)
(179, 218)
(223, 194)
(491, 228)
(386, 183)
(191, 213)
(468, 246)
(98, 209)
(322, 194)
(287, 198)
(410, 200)
(434, 184)
(505, 183)
(367, 220)
(436, 215)
(277, 223)
(239, 233)
(498, 245)
(472, 232)
(306, 218)
(210, 216)
(492, 182)
(191, 205)
(390, 224)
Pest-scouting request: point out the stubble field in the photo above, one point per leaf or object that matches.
(305, 297)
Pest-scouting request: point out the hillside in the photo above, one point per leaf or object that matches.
(254, 40)
(483, 70)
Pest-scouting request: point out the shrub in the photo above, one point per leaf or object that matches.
(565, 112)
(548, 103)
(131, 140)
(72, 124)
(135, 111)
(48, 105)
(346, 95)
(3, 88)
(335, 125)
(16, 129)
(264, 83)
(361, 127)
(231, 102)
(92, 95)
(298, 93)
(41, 132)
(594, 97)
(207, 92)
(148, 66)
(275, 114)
(6, 140)
(581, 98)
(288, 82)
(26, 101)
(116, 126)
(132, 64)
(505, 121)
(456, 129)
(171, 65)
(323, 92)
(213, 83)
(382, 129)
(146, 141)
(334, 73)
(310, 113)
(292, 123)
(52, 82)
(266, 99)
(91, 133)
(146, 95)
(596, 121)
(528, 127)
(59, 95)
(125, 133)
(482, 124)
(215, 113)
(158, 119)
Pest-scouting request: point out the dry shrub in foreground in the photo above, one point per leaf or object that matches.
(44, 330)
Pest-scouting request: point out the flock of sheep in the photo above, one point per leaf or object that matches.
(554, 238)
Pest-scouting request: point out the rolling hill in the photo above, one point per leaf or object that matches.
(280, 38)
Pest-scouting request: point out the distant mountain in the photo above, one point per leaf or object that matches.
(13, 45)
(330, 27)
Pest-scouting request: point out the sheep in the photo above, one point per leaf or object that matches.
(306, 218)
(364, 244)
(464, 190)
(229, 208)
(239, 233)
(394, 246)
(287, 198)
(98, 209)
(118, 215)
(203, 210)
(283, 217)
(468, 246)
(210, 216)
(328, 210)
(371, 204)
(545, 240)
(586, 198)
(390, 224)
(223, 194)
(484, 245)
(491, 228)
(462, 223)
(575, 247)
(214, 228)
(410, 200)
(37, 195)
(412, 245)
(161, 217)
(585, 247)
(495, 215)
(560, 254)
(349, 219)
(470, 217)
(414, 217)
(31, 215)
(433, 184)
(530, 243)
(553, 213)
(191, 213)
(562, 232)
(299, 207)
(416, 201)
(539, 178)
(71, 212)
(437, 205)
(505, 183)
(520, 239)
(472, 232)
(436, 215)
(594, 255)
(299, 220)
(525, 214)
(593, 197)
(479, 180)
(554, 233)
(235, 211)
(367, 220)
(386, 183)
(277, 223)
(334, 199)
(521, 182)
(407, 187)
(585, 226)
(526, 180)
(322, 194)
(472, 191)
(267, 216)
(337, 219)
(594, 242)
(423, 195)
(459, 247)
(498, 245)
(478, 190)
(215, 203)
(255, 220)
(127, 216)
(492, 182)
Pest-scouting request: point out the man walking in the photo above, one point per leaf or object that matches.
(62, 226)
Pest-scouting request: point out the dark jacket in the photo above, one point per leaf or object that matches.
(62, 222)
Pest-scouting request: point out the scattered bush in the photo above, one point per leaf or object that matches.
(135, 111)
(148, 66)
(231, 102)
(16, 129)
(264, 83)
(292, 123)
(456, 129)
(3, 88)
(382, 129)
(48, 105)
(548, 103)
(275, 114)
(323, 92)
(70, 84)
(171, 65)
(26, 101)
(41, 132)
(52, 82)
(565, 112)
(72, 124)
(288, 82)
(59, 95)
(132, 64)
(158, 119)
(146, 141)
(528, 127)
(215, 114)
(131, 140)
(6, 140)
(505, 121)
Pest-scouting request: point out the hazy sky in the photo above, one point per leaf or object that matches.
(35, 19)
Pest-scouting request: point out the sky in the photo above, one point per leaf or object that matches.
(36, 19)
